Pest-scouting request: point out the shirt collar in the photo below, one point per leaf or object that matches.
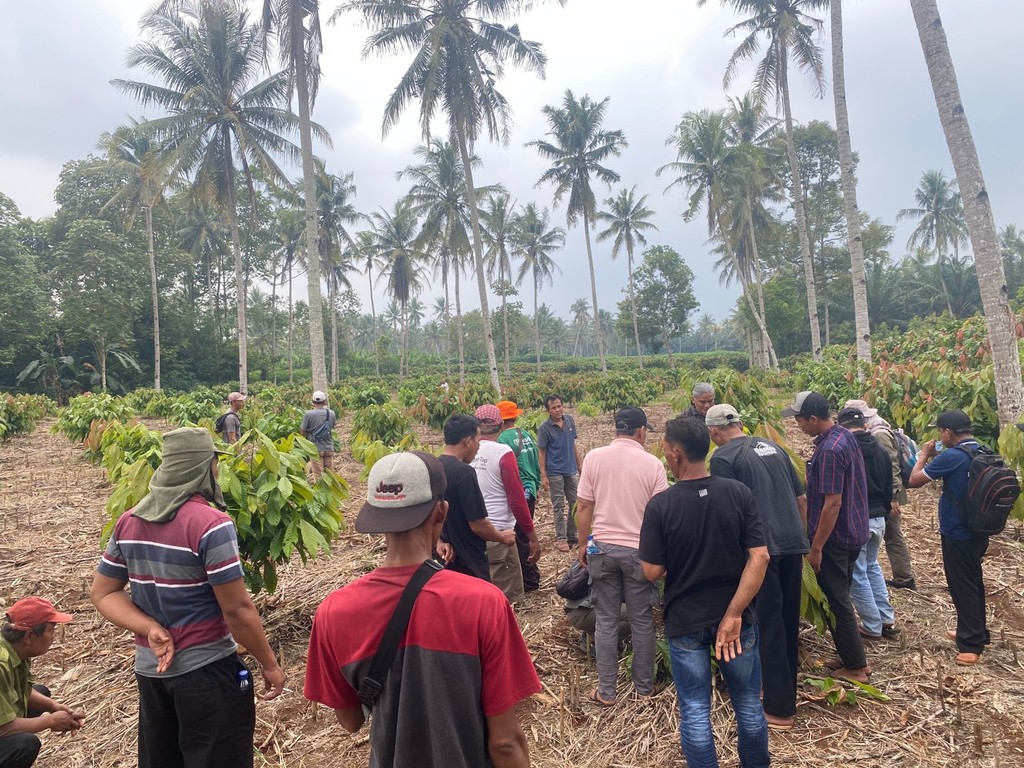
(16, 660)
(621, 440)
(824, 434)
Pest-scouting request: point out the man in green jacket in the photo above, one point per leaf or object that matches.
(525, 448)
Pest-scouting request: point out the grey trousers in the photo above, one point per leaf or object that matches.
(563, 489)
(616, 578)
(898, 552)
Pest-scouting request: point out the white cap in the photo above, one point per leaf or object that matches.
(319, 397)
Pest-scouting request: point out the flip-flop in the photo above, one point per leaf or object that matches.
(563, 546)
(596, 699)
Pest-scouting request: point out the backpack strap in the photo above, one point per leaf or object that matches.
(371, 686)
(961, 503)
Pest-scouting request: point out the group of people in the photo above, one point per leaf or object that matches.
(727, 542)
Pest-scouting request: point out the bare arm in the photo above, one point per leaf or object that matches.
(350, 719)
(801, 505)
(485, 529)
(542, 459)
(116, 606)
(244, 622)
(727, 643)
(584, 522)
(506, 742)
(917, 475)
(826, 522)
(653, 572)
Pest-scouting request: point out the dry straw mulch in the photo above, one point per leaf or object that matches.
(51, 513)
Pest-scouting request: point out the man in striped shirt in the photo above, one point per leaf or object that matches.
(188, 608)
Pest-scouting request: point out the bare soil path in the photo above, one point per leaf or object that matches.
(51, 514)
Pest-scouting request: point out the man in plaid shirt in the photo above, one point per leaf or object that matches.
(837, 522)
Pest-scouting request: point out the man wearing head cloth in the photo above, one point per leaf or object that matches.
(450, 699)
(189, 610)
(27, 709)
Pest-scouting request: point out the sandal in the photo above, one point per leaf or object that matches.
(563, 546)
(595, 697)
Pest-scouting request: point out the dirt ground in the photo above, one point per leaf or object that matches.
(51, 513)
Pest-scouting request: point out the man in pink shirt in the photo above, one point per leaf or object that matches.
(497, 472)
(616, 483)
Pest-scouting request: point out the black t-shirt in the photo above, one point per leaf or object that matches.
(766, 469)
(700, 531)
(465, 504)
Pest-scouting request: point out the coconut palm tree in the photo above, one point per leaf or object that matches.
(577, 149)
(712, 170)
(203, 234)
(789, 32)
(981, 224)
(580, 310)
(941, 226)
(366, 255)
(296, 26)
(459, 53)
(627, 219)
(132, 153)
(284, 249)
(395, 234)
(535, 242)
(221, 116)
(497, 226)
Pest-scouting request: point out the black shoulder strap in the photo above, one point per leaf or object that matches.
(371, 686)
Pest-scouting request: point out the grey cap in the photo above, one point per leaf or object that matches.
(808, 403)
(722, 415)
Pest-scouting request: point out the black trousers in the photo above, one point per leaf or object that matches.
(197, 720)
(531, 573)
(961, 561)
(778, 616)
(834, 578)
(20, 750)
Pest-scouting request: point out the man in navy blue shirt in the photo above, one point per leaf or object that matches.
(961, 550)
(559, 469)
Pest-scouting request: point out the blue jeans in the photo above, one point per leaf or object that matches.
(868, 592)
(691, 671)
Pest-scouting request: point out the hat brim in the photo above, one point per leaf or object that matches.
(220, 452)
(62, 618)
(790, 411)
(516, 415)
(869, 413)
(373, 519)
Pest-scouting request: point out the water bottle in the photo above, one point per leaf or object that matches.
(244, 680)
(592, 546)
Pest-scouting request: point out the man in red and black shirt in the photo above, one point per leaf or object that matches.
(462, 665)
(837, 521)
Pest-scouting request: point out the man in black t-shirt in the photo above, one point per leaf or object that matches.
(766, 469)
(466, 529)
(705, 537)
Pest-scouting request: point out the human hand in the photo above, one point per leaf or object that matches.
(162, 645)
(727, 643)
(814, 558)
(928, 450)
(63, 721)
(508, 538)
(446, 551)
(535, 550)
(273, 680)
(894, 509)
(545, 484)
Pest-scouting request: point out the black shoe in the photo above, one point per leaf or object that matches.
(911, 585)
(890, 632)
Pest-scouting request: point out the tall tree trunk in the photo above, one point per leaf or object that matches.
(849, 181)
(981, 225)
(101, 354)
(798, 210)
(316, 311)
(478, 255)
(460, 329)
(154, 295)
(291, 324)
(273, 318)
(240, 296)
(632, 305)
(743, 276)
(373, 318)
(593, 292)
(333, 289)
(536, 319)
(504, 307)
(403, 364)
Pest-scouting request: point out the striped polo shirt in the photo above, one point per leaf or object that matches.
(172, 568)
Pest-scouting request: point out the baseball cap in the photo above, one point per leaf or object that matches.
(489, 415)
(319, 397)
(401, 490)
(722, 415)
(851, 417)
(509, 410)
(863, 407)
(956, 420)
(808, 403)
(630, 418)
(32, 611)
(235, 396)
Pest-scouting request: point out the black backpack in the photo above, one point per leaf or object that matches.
(992, 490)
(218, 425)
(322, 430)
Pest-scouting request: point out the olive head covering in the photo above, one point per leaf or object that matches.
(186, 470)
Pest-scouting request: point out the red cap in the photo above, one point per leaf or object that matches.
(30, 612)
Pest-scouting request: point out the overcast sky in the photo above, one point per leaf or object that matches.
(654, 59)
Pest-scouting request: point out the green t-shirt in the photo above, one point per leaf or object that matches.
(525, 448)
(15, 684)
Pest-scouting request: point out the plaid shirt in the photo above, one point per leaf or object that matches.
(837, 466)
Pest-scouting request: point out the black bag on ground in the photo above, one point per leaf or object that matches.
(992, 490)
(574, 584)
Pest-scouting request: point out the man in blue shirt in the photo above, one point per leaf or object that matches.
(559, 469)
(961, 550)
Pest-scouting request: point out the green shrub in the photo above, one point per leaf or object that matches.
(20, 413)
(385, 423)
(76, 419)
(618, 390)
(372, 395)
